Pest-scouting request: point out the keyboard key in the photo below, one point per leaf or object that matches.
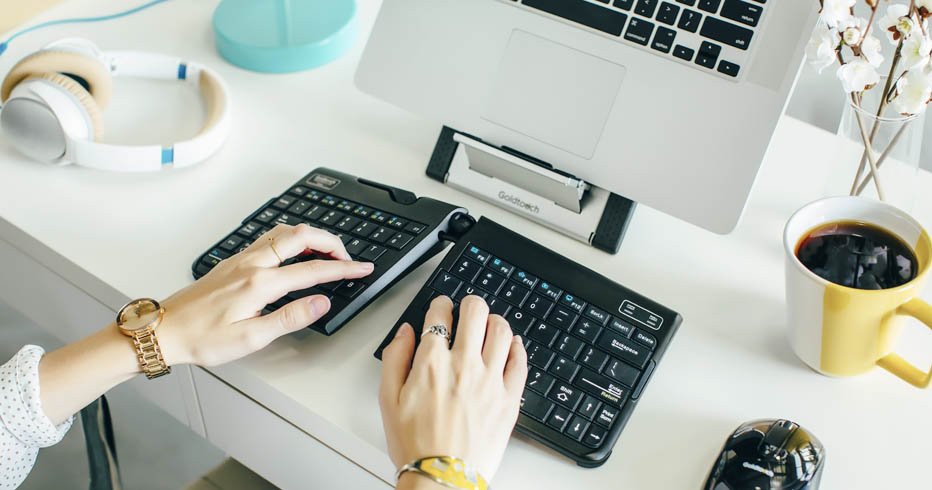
(572, 302)
(569, 346)
(445, 283)
(468, 290)
(558, 418)
(329, 201)
(267, 216)
(728, 68)
(356, 246)
(606, 416)
(564, 368)
(365, 229)
(467, 269)
(284, 202)
(663, 40)
(639, 31)
(543, 333)
(362, 211)
(683, 53)
(497, 306)
(477, 254)
(372, 253)
(594, 436)
(594, 359)
(539, 356)
(645, 338)
(585, 13)
(379, 217)
(489, 281)
(397, 223)
(710, 6)
(549, 290)
(600, 316)
(414, 227)
(606, 390)
(577, 428)
(331, 218)
(500, 266)
(535, 406)
(349, 289)
(590, 406)
(586, 329)
(707, 57)
(520, 321)
(743, 12)
(668, 13)
(330, 286)
(538, 306)
(624, 349)
(622, 372)
(525, 279)
(315, 212)
(623, 4)
(314, 196)
(289, 219)
(689, 21)
(231, 243)
(539, 381)
(399, 241)
(689, 3)
(298, 191)
(381, 235)
(299, 207)
(348, 223)
(646, 8)
(621, 327)
(563, 318)
(249, 229)
(514, 293)
(565, 395)
(726, 32)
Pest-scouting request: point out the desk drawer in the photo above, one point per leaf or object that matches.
(271, 446)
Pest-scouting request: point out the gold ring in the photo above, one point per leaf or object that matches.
(272, 244)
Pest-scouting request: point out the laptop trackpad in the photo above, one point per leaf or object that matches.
(553, 93)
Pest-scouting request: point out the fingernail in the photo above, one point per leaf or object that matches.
(368, 266)
(318, 305)
(403, 330)
(517, 339)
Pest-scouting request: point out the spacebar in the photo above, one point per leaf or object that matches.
(588, 14)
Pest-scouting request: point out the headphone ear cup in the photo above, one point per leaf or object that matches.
(84, 97)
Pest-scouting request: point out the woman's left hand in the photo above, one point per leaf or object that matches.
(216, 319)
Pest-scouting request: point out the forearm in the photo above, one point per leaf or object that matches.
(413, 481)
(72, 377)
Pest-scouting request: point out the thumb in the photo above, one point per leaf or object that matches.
(292, 317)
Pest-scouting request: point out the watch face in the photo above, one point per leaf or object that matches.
(139, 314)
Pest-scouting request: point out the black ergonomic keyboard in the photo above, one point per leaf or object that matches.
(670, 27)
(377, 223)
(592, 344)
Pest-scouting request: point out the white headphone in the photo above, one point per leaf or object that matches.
(53, 101)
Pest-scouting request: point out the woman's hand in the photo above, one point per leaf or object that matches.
(461, 402)
(216, 319)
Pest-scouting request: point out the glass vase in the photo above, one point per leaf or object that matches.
(895, 142)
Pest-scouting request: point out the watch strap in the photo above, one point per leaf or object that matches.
(150, 354)
(448, 471)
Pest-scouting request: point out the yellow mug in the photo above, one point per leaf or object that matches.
(842, 331)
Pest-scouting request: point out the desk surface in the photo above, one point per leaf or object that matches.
(729, 363)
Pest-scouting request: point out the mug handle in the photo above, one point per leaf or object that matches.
(892, 362)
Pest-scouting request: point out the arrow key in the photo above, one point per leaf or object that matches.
(594, 437)
(558, 418)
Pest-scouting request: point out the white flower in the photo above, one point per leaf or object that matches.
(916, 50)
(870, 50)
(852, 35)
(857, 75)
(913, 92)
(896, 24)
(821, 48)
(835, 12)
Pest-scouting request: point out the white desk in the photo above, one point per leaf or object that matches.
(306, 406)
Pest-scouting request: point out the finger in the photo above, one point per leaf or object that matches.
(497, 345)
(290, 241)
(516, 368)
(440, 313)
(261, 331)
(396, 362)
(470, 331)
(303, 275)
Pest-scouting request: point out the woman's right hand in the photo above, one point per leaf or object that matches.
(461, 402)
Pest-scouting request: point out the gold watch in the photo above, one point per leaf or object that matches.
(138, 320)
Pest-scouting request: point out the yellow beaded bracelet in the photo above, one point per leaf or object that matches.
(448, 471)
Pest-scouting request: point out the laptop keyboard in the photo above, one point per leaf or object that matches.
(712, 35)
(592, 344)
(387, 226)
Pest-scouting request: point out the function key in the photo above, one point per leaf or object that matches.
(489, 281)
(365, 229)
(231, 243)
(381, 235)
(566, 395)
(346, 206)
(539, 381)
(596, 314)
(535, 406)
(689, 21)
(372, 253)
(467, 269)
(594, 437)
(284, 202)
(313, 196)
(445, 283)
(590, 406)
(577, 427)
(668, 13)
(414, 227)
(572, 302)
(362, 211)
(710, 6)
(378, 217)
(728, 68)
(527, 280)
(549, 290)
(623, 4)
(328, 201)
(399, 240)
(726, 32)
(559, 418)
(639, 31)
(248, 229)
(683, 53)
(298, 190)
(500, 266)
(645, 338)
(646, 8)
(397, 222)
(476, 253)
(606, 416)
